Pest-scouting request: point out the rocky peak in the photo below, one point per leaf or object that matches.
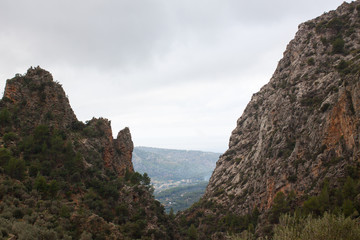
(124, 146)
(303, 126)
(37, 99)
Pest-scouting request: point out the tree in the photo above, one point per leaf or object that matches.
(338, 45)
(53, 188)
(171, 213)
(192, 233)
(279, 207)
(40, 184)
(16, 168)
(146, 179)
(5, 156)
(4, 117)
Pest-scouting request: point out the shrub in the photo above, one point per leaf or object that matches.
(311, 62)
(10, 136)
(40, 184)
(338, 46)
(5, 156)
(329, 227)
(192, 233)
(16, 168)
(5, 117)
(18, 213)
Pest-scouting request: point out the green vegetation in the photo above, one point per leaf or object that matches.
(328, 227)
(338, 46)
(57, 194)
(311, 61)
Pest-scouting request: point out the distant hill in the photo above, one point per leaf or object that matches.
(181, 171)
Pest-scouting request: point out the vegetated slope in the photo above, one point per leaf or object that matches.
(63, 179)
(178, 176)
(298, 136)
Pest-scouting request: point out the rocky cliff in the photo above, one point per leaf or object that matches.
(301, 128)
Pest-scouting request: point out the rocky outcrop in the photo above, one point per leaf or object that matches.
(303, 126)
(116, 153)
(37, 100)
(124, 147)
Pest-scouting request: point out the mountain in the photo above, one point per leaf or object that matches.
(168, 165)
(64, 179)
(178, 176)
(296, 145)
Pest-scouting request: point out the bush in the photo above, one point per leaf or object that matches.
(338, 46)
(311, 62)
(5, 117)
(16, 168)
(5, 156)
(10, 136)
(329, 227)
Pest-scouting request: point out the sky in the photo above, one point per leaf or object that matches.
(178, 73)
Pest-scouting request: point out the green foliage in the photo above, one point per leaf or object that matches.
(348, 208)
(53, 188)
(77, 126)
(5, 156)
(311, 61)
(5, 117)
(10, 136)
(192, 233)
(18, 213)
(64, 211)
(15, 168)
(335, 24)
(349, 189)
(329, 227)
(338, 46)
(40, 184)
(280, 206)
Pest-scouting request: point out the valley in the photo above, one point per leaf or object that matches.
(179, 177)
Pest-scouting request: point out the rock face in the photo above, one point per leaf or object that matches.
(38, 100)
(303, 126)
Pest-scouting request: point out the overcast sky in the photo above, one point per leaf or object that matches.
(179, 73)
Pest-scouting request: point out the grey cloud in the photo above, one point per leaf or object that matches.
(178, 72)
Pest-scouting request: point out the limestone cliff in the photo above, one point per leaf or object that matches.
(303, 126)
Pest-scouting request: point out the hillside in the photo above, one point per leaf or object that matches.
(296, 146)
(64, 179)
(178, 176)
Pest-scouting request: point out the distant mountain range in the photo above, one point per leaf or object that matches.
(183, 172)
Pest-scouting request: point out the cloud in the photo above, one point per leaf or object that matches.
(179, 73)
